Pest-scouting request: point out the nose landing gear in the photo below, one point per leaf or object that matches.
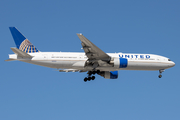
(160, 76)
(160, 72)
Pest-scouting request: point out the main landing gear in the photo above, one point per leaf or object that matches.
(160, 72)
(91, 77)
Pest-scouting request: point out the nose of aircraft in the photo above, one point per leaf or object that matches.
(172, 64)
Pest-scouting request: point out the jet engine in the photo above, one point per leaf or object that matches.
(109, 74)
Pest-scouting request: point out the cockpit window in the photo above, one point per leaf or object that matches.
(169, 60)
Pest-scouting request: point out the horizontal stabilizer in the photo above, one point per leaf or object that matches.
(10, 59)
(20, 53)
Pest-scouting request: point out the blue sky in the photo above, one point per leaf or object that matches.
(33, 92)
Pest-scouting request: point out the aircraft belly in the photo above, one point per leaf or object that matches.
(52, 64)
(107, 69)
(143, 65)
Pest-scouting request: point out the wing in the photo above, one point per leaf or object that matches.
(92, 51)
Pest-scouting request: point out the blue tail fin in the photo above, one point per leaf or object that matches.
(22, 42)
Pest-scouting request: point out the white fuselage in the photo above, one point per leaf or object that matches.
(77, 60)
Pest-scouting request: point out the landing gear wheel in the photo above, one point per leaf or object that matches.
(93, 77)
(98, 71)
(90, 73)
(93, 72)
(89, 78)
(160, 72)
(160, 76)
(85, 79)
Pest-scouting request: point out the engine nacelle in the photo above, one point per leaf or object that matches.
(109, 75)
(119, 62)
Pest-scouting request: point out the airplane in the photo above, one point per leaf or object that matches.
(93, 60)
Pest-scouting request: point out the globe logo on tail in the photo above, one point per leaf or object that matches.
(28, 47)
